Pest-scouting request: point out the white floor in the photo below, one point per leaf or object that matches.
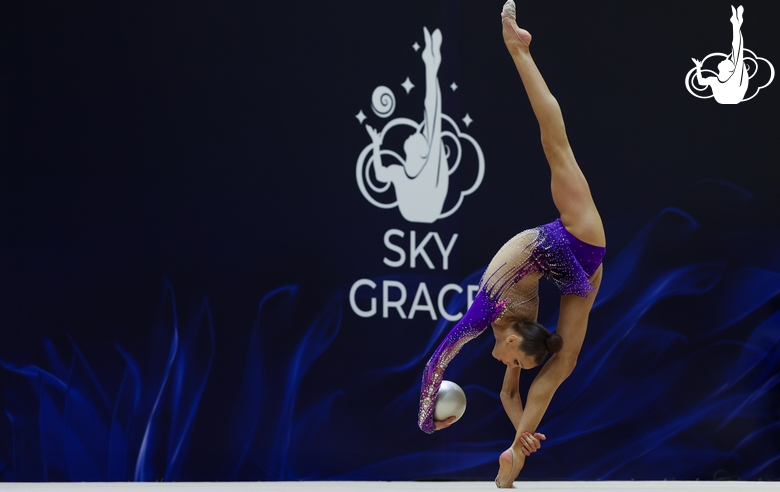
(393, 486)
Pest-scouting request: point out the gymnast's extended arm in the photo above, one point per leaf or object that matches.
(383, 174)
(482, 312)
(699, 78)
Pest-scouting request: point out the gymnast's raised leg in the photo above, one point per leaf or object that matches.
(571, 195)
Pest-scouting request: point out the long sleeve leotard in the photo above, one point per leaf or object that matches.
(509, 287)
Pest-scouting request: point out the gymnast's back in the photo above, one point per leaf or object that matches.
(512, 278)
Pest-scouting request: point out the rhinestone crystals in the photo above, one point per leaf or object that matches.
(510, 289)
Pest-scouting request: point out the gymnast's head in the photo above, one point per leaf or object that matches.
(526, 345)
(725, 70)
(416, 149)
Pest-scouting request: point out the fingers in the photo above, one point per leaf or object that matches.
(528, 443)
(443, 424)
(531, 443)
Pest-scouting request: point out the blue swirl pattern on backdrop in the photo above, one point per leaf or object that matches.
(69, 422)
(679, 379)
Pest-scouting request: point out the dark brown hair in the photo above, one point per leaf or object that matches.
(537, 342)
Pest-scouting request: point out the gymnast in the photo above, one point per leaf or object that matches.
(731, 84)
(568, 252)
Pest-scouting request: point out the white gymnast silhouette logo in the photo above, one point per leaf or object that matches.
(421, 177)
(730, 84)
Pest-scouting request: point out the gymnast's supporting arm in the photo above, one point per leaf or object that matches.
(510, 395)
(572, 326)
(542, 390)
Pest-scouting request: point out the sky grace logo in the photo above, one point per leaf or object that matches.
(415, 177)
(418, 175)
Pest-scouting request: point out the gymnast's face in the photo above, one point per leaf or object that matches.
(507, 351)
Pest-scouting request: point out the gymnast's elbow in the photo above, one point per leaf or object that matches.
(565, 364)
(509, 396)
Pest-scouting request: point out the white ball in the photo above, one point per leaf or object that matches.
(450, 401)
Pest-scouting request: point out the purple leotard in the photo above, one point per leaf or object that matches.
(588, 256)
(549, 250)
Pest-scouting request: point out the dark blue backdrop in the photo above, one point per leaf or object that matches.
(182, 227)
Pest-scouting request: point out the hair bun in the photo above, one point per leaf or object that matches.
(554, 343)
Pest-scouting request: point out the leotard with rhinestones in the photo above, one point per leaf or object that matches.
(509, 287)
